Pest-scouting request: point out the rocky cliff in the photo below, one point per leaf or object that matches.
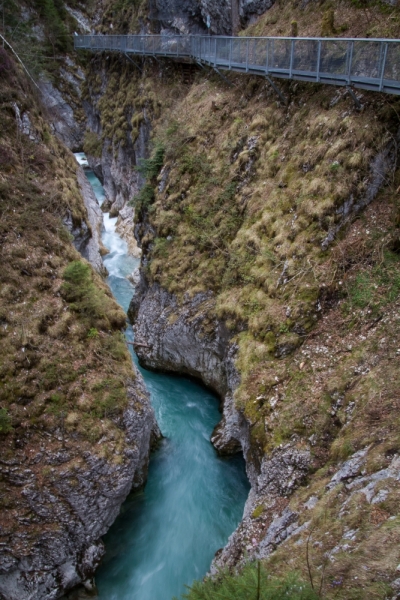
(257, 279)
(115, 148)
(188, 17)
(76, 425)
(61, 495)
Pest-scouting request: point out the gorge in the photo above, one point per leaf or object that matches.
(264, 241)
(167, 535)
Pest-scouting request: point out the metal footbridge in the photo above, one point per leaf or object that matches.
(369, 64)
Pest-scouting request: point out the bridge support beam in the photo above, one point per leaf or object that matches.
(277, 90)
(133, 62)
(222, 76)
(356, 100)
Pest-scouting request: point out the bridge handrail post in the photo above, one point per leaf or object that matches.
(319, 60)
(291, 58)
(267, 55)
(350, 61)
(247, 56)
(230, 53)
(192, 42)
(385, 46)
(215, 52)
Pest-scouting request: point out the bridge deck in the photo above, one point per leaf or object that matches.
(370, 64)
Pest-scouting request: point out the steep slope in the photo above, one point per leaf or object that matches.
(271, 271)
(76, 424)
(41, 33)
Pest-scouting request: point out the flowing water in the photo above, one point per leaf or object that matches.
(166, 536)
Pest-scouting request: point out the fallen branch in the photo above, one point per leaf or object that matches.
(18, 58)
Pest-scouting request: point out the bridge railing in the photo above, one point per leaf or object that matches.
(156, 45)
(372, 64)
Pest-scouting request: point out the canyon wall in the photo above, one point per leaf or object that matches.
(76, 424)
(252, 270)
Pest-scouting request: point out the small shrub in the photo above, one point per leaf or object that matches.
(328, 23)
(5, 422)
(258, 511)
(252, 583)
(92, 303)
(92, 144)
(144, 198)
(150, 167)
(5, 62)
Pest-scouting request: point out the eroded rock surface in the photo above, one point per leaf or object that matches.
(87, 239)
(60, 111)
(67, 496)
(180, 338)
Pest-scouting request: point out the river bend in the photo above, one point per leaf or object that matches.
(166, 536)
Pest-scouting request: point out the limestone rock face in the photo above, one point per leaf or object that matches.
(183, 17)
(182, 339)
(249, 9)
(281, 473)
(60, 113)
(125, 226)
(173, 340)
(56, 541)
(88, 241)
(115, 168)
(220, 18)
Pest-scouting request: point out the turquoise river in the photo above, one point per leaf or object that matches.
(167, 535)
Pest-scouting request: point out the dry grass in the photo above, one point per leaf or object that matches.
(377, 20)
(251, 189)
(64, 365)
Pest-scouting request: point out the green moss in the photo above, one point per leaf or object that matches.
(5, 422)
(258, 511)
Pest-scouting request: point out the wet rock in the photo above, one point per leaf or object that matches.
(180, 338)
(115, 168)
(134, 277)
(125, 226)
(281, 473)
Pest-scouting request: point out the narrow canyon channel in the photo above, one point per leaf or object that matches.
(166, 536)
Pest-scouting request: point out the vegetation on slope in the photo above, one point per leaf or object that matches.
(346, 18)
(252, 583)
(64, 365)
(248, 193)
